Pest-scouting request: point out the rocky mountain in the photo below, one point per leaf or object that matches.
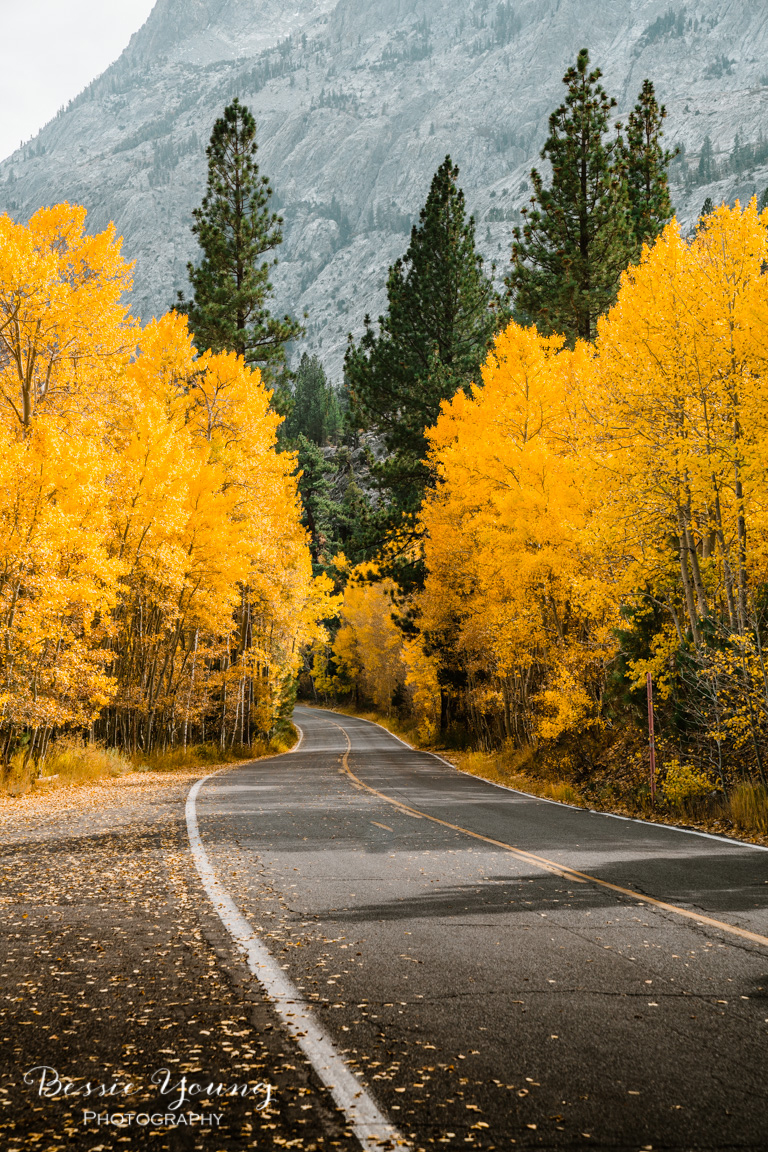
(358, 101)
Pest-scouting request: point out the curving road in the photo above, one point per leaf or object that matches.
(533, 998)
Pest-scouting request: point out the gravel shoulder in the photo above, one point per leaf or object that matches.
(115, 969)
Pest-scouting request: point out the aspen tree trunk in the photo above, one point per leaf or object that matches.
(249, 695)
(717, 534)
(687, 587)
(675, 619)
(763, 669)
(698, 583)
(191, 689)
(741, 527)
(7, 745)
(236, 719)
(223, 733)
(507, 714)
(707, 541)
(29, 749)
(753, 726)
(727, 571)
(242, 709)
(46, 739)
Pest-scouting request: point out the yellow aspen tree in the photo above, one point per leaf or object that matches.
(219, 593)
(513, 594)
(65, 340)
(680, 367)
(155, 580)
(680, 398)
(368, 648)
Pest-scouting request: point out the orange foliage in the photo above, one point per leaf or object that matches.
(513, 597)
(154, 578)
(628, 475)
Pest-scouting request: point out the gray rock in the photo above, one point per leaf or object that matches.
(357, 103)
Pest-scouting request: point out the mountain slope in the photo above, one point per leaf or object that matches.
(357, 103)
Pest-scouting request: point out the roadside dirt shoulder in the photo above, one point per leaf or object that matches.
(116, 971)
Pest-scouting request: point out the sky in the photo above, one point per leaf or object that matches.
(51, 50)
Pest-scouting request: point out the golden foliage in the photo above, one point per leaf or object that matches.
(514, 596)
(154, 577)
(683, 782)
(618, 489)
(367, 648)
(680, 399)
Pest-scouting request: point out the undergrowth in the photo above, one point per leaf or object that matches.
(72, 762)
(605, 774)
(749, 807)
(504, 767)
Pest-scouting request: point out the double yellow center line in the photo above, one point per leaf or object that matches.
(570, 874)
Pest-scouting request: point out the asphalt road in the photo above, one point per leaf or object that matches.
(113, 966)
(485, 999)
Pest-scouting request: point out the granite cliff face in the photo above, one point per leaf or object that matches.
(358, 101)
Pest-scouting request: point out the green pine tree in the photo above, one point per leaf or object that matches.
(320, 509)
(707, 170)
(335, 507)
(763, 202)
(707, 209)
(577, 238)
(315, 411)
(441, 316)
(646, 163)
(236, 231)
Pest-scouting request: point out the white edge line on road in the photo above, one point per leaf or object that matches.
(363, 1115)
(561, 803)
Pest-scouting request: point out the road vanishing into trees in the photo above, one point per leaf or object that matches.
(493, 967)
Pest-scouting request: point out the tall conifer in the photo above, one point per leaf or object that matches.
(707, 209)
(441, 317)
(236, 231)
(568, 257)
(646, 163)
(707, 170)
(315, 412)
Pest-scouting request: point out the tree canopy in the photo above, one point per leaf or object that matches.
(646, 164)
(236, 230)
(576, 240)
(442, 312)
(607, 196)
(155, 580)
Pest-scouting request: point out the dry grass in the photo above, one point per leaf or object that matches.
(197, 756)
(504, 767)
(749, 808)
(76, 763)
(744, 813)
(68, 762)
(72, 762)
